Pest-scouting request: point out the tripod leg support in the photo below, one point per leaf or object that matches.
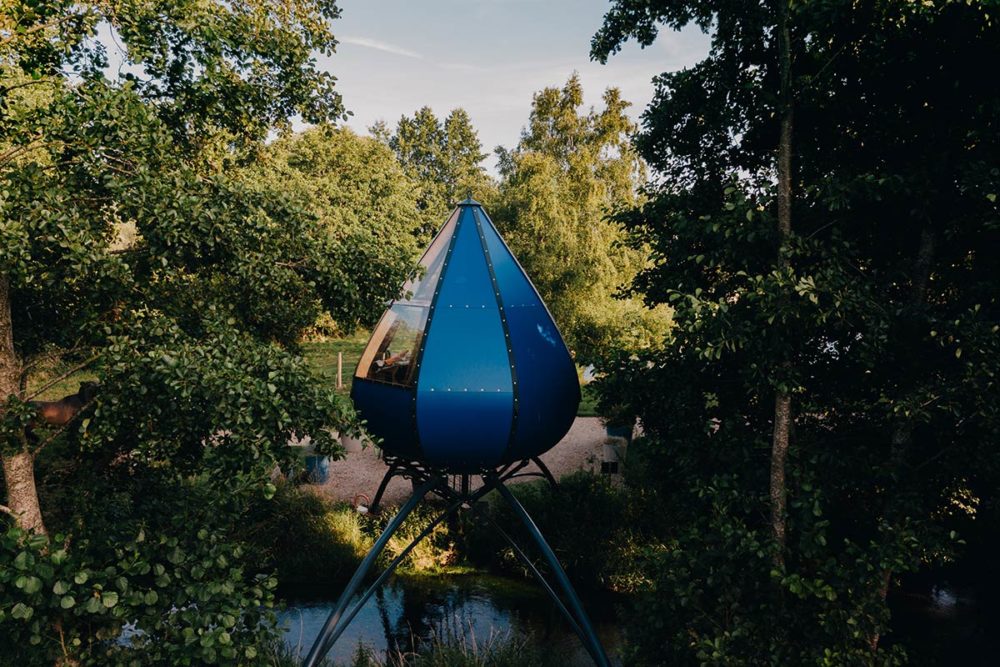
(546, 473)
(377, 500)
(321, 645)
(587, 635)
(342, 624)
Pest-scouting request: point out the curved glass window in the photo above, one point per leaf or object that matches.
(391, 353)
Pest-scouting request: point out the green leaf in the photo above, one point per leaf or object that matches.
(109, 599)
(67, 601)
(32, 585)
(23, 560)
(21, 611)
(60, 588)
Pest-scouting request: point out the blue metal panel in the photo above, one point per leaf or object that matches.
(389, 412)
(548, 390)
(464, 387)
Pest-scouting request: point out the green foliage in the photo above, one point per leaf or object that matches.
(238, 66)
(168, 569)
(139, 246)
(497, 650)
(569, 171)
(866, 315)
(312, 548)
(363, 201)
(444, 160)
(590, 524)
(435, 552)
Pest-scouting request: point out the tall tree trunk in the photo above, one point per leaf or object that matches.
(18, 465)
(783, 400)
(779, 454)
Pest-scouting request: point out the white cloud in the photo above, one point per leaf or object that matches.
(379, 45)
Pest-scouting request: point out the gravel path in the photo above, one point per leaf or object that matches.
(357, 476)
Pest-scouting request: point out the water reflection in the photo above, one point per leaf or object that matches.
(409, 611)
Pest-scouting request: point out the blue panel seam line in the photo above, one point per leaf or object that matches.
(427, 329)
(506, 333)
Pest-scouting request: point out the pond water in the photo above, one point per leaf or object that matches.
(478, 608)
(940, 623)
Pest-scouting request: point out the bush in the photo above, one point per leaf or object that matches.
(188, 592)
(435, 553)
(589, 523)
(313, 547)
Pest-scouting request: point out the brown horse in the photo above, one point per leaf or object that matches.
(61, 412)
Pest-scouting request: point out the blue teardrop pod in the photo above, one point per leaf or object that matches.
(467, 370)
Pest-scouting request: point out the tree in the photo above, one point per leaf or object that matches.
(862, 312)
(558, 187)
(362, 199)
(128, 512)
(444, 159)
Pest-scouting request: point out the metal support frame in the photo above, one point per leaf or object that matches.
(428, 481)
(416, 471)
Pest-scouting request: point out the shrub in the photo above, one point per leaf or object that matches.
(313, 547)
(588, 522)
(435, 552)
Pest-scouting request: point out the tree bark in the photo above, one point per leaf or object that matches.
(779, 454)
(19, 464)
(22, 496)
(783, 400)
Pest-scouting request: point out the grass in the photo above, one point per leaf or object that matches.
(588, 402)
(320, 355)
(322, 358)
(63, 387)
(498, 650)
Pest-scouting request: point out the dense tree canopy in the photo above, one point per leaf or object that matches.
(444, 159)
(362, 199)
(559, 185)
(136, 246)
(876, 311)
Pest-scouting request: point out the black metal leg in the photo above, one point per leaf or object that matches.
(389, 474)
(539, 576)
(589, 637)
(317, 651)
(546, 473)
(342, 624)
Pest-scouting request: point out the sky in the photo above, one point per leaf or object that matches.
(486, 56)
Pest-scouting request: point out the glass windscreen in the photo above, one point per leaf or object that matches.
(391, 353)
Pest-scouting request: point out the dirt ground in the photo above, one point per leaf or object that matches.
(356, 478)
